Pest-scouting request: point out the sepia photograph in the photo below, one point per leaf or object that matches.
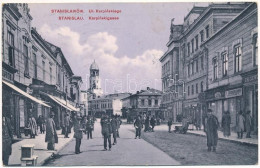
(129, 83)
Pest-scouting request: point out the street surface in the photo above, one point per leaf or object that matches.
(128, 151)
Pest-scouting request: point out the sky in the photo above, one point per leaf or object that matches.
(126, 50)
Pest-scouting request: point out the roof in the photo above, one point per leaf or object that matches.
(94, 66)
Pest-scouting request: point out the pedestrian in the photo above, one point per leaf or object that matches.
(84, 124)
(78, 132)
(67, 125)
(147, 124)
(212, 125)
(89, 126)
(32, 125)
(197, 120)
(248, 121)
(152, 123)
(240, 125)
(106, 131)
(138, 124)
(204, 119)
(169, 125)
(51, 136)
(114, 126)
(7, 138)
(225, 123)
(41, 123)
(119, 122)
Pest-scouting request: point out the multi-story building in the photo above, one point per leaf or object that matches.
(232, 70)
(34, 72)
(185, 80)
(144, 102)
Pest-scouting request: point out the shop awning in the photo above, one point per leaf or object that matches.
(58, 102)
(25, 94)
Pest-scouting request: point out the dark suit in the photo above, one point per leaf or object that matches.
(138, 127)
(78, 134)
(114, 126)
(106, 131)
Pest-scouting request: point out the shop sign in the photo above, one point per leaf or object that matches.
(250, 79)
(233, 93)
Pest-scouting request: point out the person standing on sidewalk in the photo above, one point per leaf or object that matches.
(138, 124)
(78, 132)
(32, 125)
(240, 125)
(89, 126)
(212, 125)
(114, 126)
(51, 135)
(169, 125)
(106, 131)
(147, 124)
(226, 121)
(248, 121)
(152, 123)
(7, 138)
(67, 125)
(119, 122)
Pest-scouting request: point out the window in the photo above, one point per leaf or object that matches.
(224, 63)
(50, 75)
(207, 31)
(197, 42)
(255, 48)
(201, 36)
(142, 102)
(201, 86)
(196, 66)
(197, 88)
(202, 62)
(183, 51)
(188, 71)
(192, 89)
(149, 102)
(192, 68)
(10, 38)
(58, 75)
(215, 69)
(188, 90)
(238, 58)
(188, 47)
(35, 65)
(156, 102)
(43, 70)
(192, 45)
(26, 60)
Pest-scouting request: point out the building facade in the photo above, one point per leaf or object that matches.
(95, 81)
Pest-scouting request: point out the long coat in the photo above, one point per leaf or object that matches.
(212, 125)
(51, 134)
(114, 125)
(240, 123)
(226, 121)
(32, 125)
(138, 123)
(7, 136)
(78, 129)
(248, 122)
(152, 121)
(106, 127)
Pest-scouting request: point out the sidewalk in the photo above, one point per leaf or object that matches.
(232, 138)
(40, 148)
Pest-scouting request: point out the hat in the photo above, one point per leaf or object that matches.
(210, 111)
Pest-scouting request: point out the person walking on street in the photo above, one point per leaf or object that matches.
(32, 125)
(240, 125)
(41, 123)
(152, 123)
(138, 124)
(226, 121)
(51, 135)
(212, 125)
(89, 126)
(119, 122)
(78, 132)
(7, 138)
(147, 124)
(106, 131)
(169, 125)
(67, 125)
(248, 121)
(114, 128)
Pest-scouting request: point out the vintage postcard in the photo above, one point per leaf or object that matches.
(129, 83)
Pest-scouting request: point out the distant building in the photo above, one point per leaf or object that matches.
(144, 102)
(84, 101)
(109, 104)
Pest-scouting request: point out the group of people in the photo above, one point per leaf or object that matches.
(110, 126)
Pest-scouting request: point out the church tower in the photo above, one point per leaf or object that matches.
(94, 80)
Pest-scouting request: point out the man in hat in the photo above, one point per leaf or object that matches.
(51, 135)
(32, 125)
(78, 132)
(138, 124)
(67, 125)
(106, 131)
(212, 125)
(114, 128)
